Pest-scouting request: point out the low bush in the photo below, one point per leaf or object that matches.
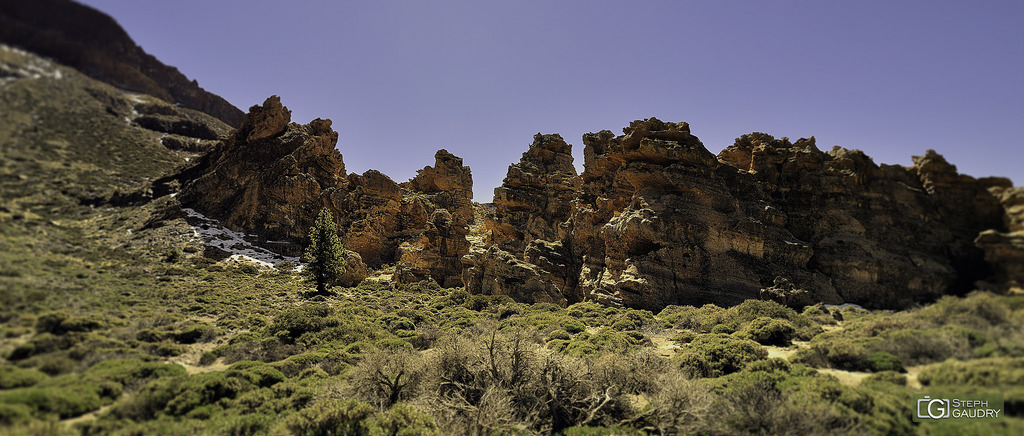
(769, 331)
(247, 425)
(889, 377)
(714, 355)
(12, 414)
(388, 376)
(64, 401)
(994, 372)
(14, 377)
(403, 420)
(332, 418)
(882, 361)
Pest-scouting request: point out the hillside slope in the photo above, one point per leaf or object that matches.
(93, 43)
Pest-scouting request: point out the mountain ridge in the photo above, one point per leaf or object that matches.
(95, 44)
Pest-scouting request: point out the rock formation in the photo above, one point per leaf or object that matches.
(444, 194)
(1005, 250)
(531, 208)
(93, 43)
(271, 177)
(660, 220)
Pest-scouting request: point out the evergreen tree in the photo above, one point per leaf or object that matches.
(325, 255)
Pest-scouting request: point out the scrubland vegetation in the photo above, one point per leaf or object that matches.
(106, 331)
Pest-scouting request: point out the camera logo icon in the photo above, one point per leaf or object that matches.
(933, 408)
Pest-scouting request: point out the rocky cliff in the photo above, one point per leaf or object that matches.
(93, 43)
(658, 220)
(271, 177)
(654, 219)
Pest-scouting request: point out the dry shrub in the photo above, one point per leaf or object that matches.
(679, 405)
(385, 377)
(496, 382)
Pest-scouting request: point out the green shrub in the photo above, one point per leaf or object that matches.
(331, 361)
(199, 395)
(694, 365)
(165, 349)
(606, 339)
(131, 373)
(602, 431)
(14, 377)
(591, 314)
(248, 269)
(684, 337)
(573, 327)
(403, 420)
(624, 324)
(195, 333)
(247, 425)
(882, 361)
(724, 354)
(257, 373)
(688, 317)
(992, 372)
(285, 267)
(56, 364)
(151, 335)
(292, 323)
(14, 414)
(332, 418)
(64, 401)
(559, 334)
(769, 331)
(723, 329)
(890, 377)
(60, 323)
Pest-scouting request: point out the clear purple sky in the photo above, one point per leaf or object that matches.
(401, 79)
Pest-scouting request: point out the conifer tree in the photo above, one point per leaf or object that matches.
(325, 255)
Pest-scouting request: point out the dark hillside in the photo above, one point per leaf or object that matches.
(92, 42)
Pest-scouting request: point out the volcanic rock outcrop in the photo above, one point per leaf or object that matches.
(660, 220)
(271, 177)
(524, 259)
(1005, 250)
(93, 43)
(655, 218)
(443, 194)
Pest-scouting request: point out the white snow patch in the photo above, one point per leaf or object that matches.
(213, 234)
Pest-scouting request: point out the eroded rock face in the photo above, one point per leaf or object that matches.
(525, 260)
(658, 223)
(660, 220)
(271, 177)
(535, 198)
(440, 201)
(1004, 250)
(655, 218)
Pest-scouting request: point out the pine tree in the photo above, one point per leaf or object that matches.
(325, 255)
